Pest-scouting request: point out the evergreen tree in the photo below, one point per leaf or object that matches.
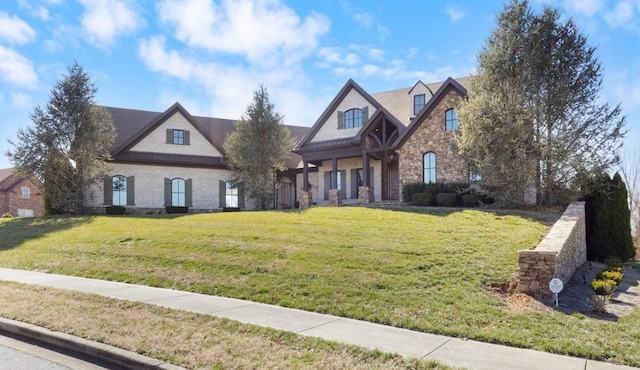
(68, 146)
(533, 118)
(608, 220)
(258, 147)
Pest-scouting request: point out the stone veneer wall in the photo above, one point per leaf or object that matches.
(431, 136)
(559, 254)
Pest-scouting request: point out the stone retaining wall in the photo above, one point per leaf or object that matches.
(559, 254)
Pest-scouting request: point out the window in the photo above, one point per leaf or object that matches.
(119, 187)
(451, 118)
(178, 137)
(26, 193)
(418, 103)
(231, 198)
(353, 118)
(474, 173)
(429, 167)
(178, 193)
(25, 212)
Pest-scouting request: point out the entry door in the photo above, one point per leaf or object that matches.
(393, 190)
(285, 195)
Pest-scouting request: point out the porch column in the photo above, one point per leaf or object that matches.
(334, 194)
(306, 198)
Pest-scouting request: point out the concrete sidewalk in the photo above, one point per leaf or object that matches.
(451, 351)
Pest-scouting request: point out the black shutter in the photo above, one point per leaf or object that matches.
(188, 188)
(169, 136)
(241, 195)
(222, 196)
(108, 191)
(186, 137)
(167, 192)
(354, 183)
(340, 120)
(130, 191)
(327, 184)
(365, 114)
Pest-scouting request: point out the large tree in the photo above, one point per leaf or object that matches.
(68, 145)
(258, 147)
(534, 119)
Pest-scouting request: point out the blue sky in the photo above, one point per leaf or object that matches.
(210, 55)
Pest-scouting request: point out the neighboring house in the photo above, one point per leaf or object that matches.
(362, 149)
(20, 196)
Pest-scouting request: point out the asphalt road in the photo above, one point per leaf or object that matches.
(18, 353)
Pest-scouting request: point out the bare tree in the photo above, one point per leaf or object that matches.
(630, 170)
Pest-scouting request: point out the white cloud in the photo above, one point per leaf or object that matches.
(365, 20)
(454, 12)
(15, 30)
(21, 101)
(587, 8)
(622, 13)
(16, 69)
(230, 87)
(105, 20)
(334, 55)
(39, 11)
(264, 31)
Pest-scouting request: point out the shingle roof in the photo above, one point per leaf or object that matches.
(399, 104)
(5, 173)
(131, 125)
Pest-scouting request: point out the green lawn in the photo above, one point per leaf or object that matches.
(426, 270)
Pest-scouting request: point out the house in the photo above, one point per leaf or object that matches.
(172, 158)
(20, 196)
(362, 149)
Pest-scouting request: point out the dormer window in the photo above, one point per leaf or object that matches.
(451, 120)
(353, 118)
(418, 103)
(177, 137)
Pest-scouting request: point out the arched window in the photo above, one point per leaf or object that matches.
(451, 118)
(429, 161)
(178, 192)
(119, 188)
(353, 118)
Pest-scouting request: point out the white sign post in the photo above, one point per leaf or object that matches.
(556, 286)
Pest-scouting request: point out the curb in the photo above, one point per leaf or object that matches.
(100, 351)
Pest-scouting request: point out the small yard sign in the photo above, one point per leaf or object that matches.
(555, 286)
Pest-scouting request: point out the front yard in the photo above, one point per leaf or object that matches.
(428, 270)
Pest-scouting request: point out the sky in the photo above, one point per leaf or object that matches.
(210, 55)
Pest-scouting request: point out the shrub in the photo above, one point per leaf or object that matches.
(172, 209)
(471, 200)
(446, 199)
(7, 215)
(115, 210)
(412, 188)
(422, 199)
(610, 275)
(604, 287)
(613, 262)
(231, 209)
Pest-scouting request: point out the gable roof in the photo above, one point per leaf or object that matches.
(133, 125)
(450, 83)
(9, 179)
(350, 85)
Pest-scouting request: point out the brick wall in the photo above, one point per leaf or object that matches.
(431, 136)
(11, 200)
(559, 254)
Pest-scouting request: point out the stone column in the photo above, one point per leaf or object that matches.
(306, 199)
(365, 195)
(334, 198)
